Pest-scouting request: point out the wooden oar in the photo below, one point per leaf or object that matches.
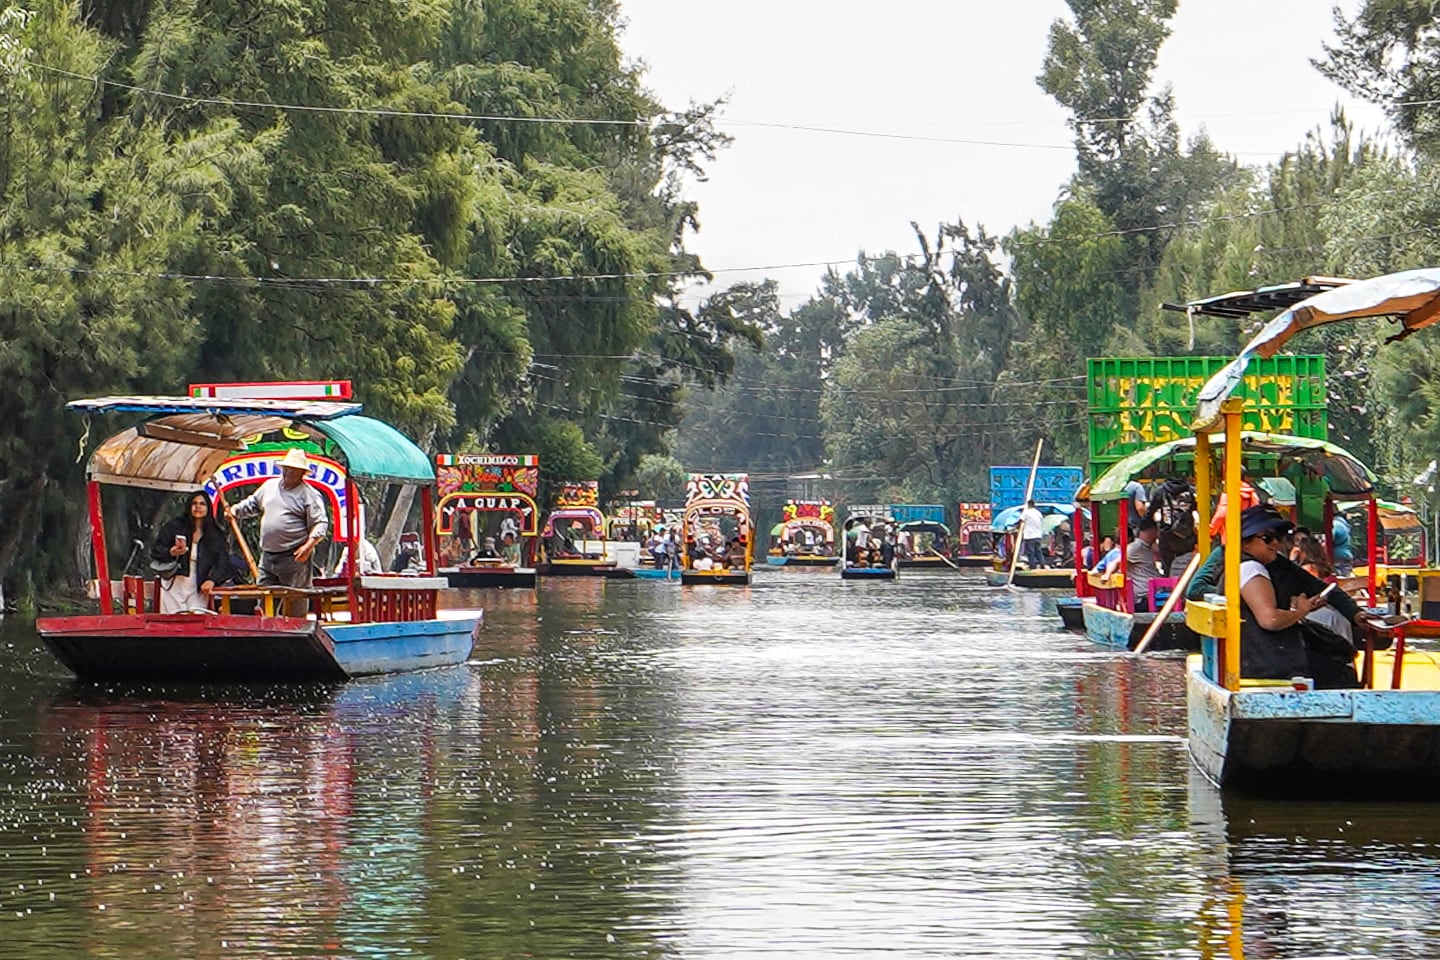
(1020, 530)
(239, 538)
(1169, 606)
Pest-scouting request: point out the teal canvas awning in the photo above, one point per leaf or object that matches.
(377, 451)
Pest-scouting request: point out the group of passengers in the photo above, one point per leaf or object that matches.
(506, 552)
(1290, 626)
(867, 546)
(712, 551)
(806, 542)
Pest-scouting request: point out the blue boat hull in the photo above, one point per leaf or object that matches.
(867, 573)
(1363, 744)
(366, 649)
(1116, 628)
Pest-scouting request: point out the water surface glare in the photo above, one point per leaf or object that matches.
(802, 768)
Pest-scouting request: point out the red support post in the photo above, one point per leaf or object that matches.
(1082, 582)
(97, 546)
(1127, 596)
(427, 520)
(352, 549)
(1329, 522)
(1374, 553)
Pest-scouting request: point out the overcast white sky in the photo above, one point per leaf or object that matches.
(950, 69)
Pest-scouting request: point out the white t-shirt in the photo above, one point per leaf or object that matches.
(1250, 569)
(1032, 524)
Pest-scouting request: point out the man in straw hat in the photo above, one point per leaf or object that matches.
(292, 522)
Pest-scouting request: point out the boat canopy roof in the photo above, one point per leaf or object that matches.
(1394, 517)
(912, 512)
(1412, 296)
(1010, 516)
(1344, 474)
(1243, 303)
(186, 439)
(924, 526)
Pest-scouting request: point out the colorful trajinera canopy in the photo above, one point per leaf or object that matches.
(186, 439)
(1343, 473)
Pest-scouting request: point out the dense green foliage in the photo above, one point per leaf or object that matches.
(160, 223)
(314, 188)
(930, 373)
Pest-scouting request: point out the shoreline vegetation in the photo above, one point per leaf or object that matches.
(478, 214)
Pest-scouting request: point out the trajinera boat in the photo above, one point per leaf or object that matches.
(1277, 736)
(1294, 464)
(922, 538)
(805, 535)
(716, 535)
(487, 519)
(869, 543)
(353, 625)
(1005, 526)
(572, 544)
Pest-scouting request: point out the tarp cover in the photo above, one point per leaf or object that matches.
(911, 512)
(1010, 516)
(374, 450)
(1412, 295)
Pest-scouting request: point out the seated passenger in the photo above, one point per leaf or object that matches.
(487, 551)
(1273, 645)
(510, 550)
(369, 560)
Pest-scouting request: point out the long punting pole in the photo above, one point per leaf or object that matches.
(1171, 602)
(1020, 534)
(239, 538)
(97, 546)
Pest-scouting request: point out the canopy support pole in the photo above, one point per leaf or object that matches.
(1203, 492)
(1127, 597)
(352, 548)
(427, 522)
(97, 546)
(1329, 521)
(1230, 663)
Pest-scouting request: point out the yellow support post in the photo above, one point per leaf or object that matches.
(1233, 455)
(1203, 493)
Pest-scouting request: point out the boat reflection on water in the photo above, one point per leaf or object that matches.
(250, 817)
(1293, 879)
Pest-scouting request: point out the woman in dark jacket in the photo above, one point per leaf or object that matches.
(198, 548)
(1277, 638)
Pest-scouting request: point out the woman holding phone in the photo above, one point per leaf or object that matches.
(199, 549)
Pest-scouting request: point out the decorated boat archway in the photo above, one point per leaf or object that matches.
(805, 535)
(572, 542)
(716, 537)
(488, 497)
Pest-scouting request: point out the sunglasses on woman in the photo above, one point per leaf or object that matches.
(1270, 538)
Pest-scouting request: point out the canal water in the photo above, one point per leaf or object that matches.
(802, 768)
